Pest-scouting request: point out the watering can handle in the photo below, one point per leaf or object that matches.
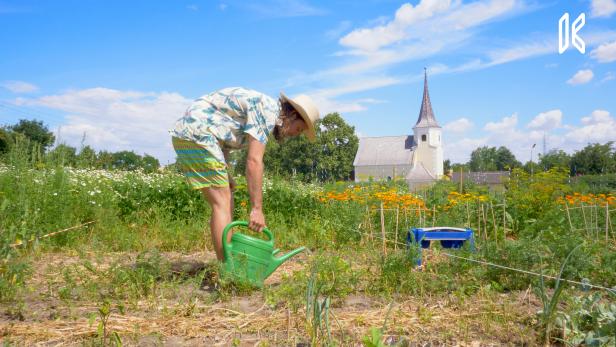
(225, 246)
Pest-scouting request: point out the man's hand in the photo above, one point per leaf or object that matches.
(257, 220)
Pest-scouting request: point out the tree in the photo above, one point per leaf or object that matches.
(126, 160)
(86, 157)
(594, 159)
(554, 158)
(149, 163)
(63, 155)
(35, 131)
(5, 140)
(483, 159)
(338, 144)
(532, 167)
(505, 160)
(491, 159)
(446, 166)
(104, 160)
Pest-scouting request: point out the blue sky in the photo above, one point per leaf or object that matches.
(121, 72)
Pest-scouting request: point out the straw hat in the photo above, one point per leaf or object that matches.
(307, 110)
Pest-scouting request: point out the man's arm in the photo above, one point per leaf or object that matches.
(254, 179)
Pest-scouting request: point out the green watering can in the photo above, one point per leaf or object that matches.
(249, 259)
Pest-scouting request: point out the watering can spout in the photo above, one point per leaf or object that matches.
(277, 261)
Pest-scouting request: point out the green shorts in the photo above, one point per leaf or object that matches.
(200, 167)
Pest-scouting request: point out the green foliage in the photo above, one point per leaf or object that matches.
(338, 144)
(63, 155)
(556, 158)
(595, 184)
(529, 197)
(328, 274)
(5, 141)
(589, 320)
(550, 302)
(86, 158)
(13, 275)
(375, 339)
(317, 310)
(594, 159)
(492, 159)
(35, 131)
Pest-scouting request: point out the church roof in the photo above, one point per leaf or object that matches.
(386, 150)
(426, 115)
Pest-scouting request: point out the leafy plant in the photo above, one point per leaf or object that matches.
(590, 321)
(550, 303)
(317, 311)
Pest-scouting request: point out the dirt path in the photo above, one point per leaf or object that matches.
(56, 309)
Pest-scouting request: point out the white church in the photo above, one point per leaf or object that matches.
(417, 158)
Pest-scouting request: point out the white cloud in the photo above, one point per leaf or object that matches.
(117, 120)
(222, 6)
(581, 77)
(602, 8)
(337, 31)
(371, 39)
(19, 86)
(460, 151)
(600, 127)
(520, 51)
(605, 53)
(609, 76)
(506, 124)
(546, 120)
(193, 7)
(459, 125)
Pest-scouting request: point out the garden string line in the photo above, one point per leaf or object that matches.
(20, 242)
(583, 284)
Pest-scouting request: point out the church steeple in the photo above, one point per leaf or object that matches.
(426, 115)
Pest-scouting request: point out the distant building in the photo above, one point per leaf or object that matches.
(417, 158)
(495, 180)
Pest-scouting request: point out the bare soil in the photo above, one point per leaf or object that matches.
(189, 313)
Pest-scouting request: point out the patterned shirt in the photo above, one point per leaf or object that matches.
(223, 118)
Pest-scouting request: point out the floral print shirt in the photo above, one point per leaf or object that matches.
(220, 120)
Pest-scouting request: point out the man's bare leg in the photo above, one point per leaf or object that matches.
(221, 202)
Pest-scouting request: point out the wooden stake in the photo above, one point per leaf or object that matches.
(485, 222)
(370, 223)
(433, 215)
(383, 229)
(596, 208)
(494, 223)
(585, 221)
(461, 179)
(607, 220)
(569, 216)
(397, 214)
(468, 216)
(504, 219)
(479, 222)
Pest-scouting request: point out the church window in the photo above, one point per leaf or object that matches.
(423, 137)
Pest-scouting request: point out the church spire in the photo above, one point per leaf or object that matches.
(426, 115)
